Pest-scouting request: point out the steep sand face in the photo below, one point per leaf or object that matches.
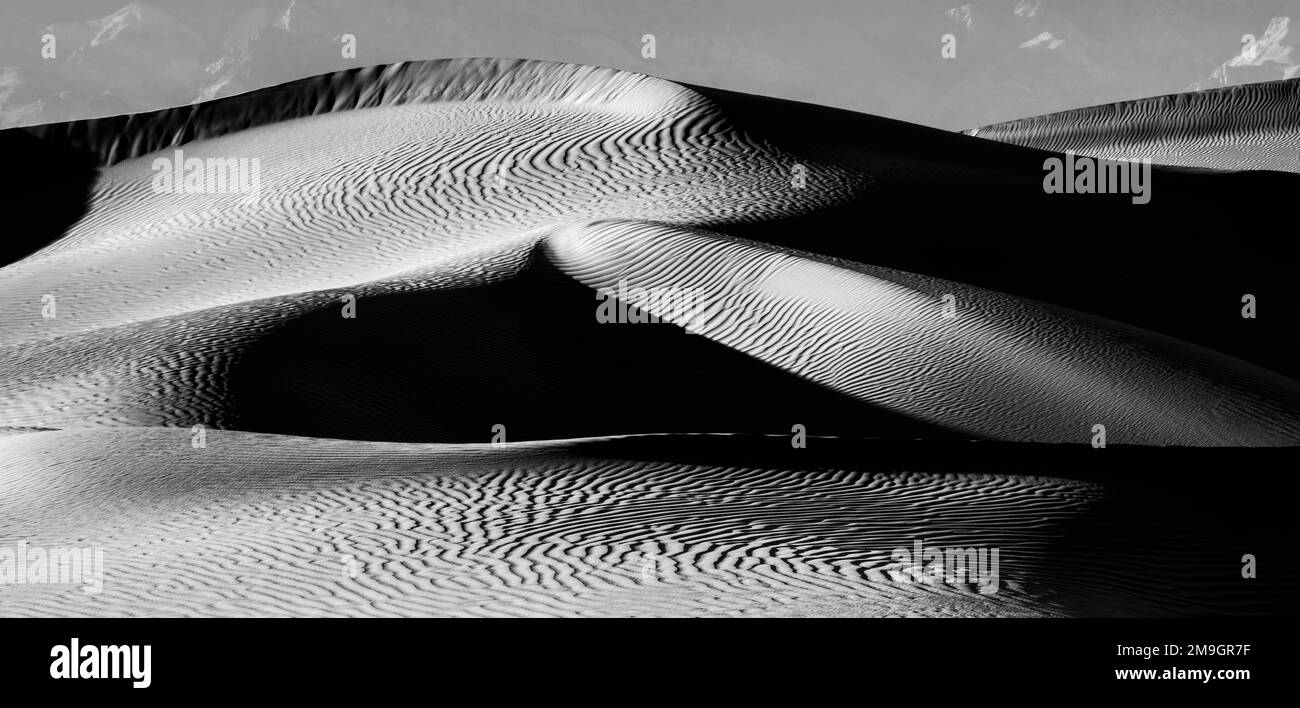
(1250, 127)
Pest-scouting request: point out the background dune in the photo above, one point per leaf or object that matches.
(1251, 127)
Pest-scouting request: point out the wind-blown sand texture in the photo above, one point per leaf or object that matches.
(1248, 127)
(474, 209)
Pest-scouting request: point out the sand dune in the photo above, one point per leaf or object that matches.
(1250, 127)
(472, 211)
(396, 187)
(160, 296)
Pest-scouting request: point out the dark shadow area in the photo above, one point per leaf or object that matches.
(44, 189)
(527, 354)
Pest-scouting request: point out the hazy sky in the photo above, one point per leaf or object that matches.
(1012, 58)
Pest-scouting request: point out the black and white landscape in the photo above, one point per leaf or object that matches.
(496, 336)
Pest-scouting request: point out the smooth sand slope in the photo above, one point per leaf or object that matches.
(1249, 127)
(473, 209)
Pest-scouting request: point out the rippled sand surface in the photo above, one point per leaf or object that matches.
(1250, 127)
(472, 210)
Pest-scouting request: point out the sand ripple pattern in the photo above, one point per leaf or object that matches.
(264, 525)
(998, 367)
(443, 189)
(1250, 127)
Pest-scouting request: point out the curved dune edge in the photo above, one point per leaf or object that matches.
(162, 296)
(1250, 127)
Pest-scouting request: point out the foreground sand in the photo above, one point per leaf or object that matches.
(1250, 127)
(265, 525)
